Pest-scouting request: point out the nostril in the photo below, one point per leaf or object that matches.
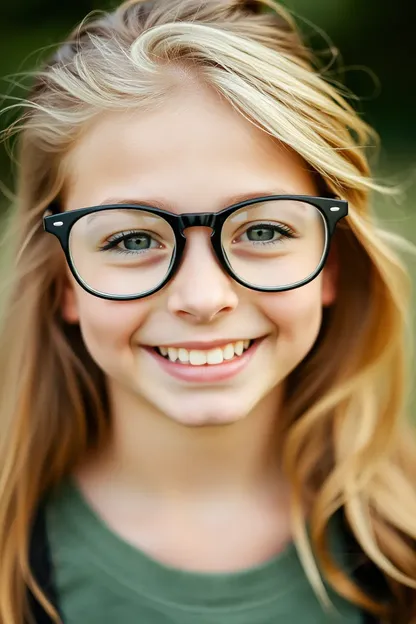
(198, 315)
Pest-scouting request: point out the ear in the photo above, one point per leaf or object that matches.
(69, 306)
(330, 278)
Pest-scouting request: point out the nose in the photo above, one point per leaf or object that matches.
(201, 291)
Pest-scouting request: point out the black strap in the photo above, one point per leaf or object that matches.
(42, 569)
(364, 572)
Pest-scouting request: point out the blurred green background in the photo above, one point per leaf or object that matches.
(376, 61)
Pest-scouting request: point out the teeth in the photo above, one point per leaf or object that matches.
(215, 356)
(239, 347)
(229, 352)
(183, 355)
(199, 357)
(172, 354)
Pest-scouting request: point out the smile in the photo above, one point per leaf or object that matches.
(202, 365)
(201, 357)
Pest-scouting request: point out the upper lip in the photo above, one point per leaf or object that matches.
(202, 344)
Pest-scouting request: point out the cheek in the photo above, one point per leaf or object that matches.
(297, 314)
(108, 327)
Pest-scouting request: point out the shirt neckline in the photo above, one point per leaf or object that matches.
(124, 563)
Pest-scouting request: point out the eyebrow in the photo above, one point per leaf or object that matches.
(163, 205)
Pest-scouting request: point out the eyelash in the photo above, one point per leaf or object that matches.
(284, 230)
(117, 238)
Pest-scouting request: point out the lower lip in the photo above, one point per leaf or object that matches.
(206, 372)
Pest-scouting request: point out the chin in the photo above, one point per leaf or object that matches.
(211, 416)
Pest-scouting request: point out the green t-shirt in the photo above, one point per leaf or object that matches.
(102, 579)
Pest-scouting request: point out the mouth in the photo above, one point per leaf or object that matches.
(202, 363)
(206, 357)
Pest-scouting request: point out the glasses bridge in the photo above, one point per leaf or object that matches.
(201, 219)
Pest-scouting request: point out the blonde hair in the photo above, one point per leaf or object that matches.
(348, 443)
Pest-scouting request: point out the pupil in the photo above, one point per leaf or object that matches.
(137, 242)
(260, 234)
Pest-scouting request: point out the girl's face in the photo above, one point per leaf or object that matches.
(194, 154)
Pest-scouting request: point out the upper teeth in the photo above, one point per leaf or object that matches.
(198, 357)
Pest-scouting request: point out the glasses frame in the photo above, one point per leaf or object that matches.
(331, 209)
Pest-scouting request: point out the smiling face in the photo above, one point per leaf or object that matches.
(195, 154)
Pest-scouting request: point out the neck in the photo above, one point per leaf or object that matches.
(151, 455)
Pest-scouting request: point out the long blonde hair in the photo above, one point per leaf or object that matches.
(348, 443)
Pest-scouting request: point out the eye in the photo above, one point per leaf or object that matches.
(131, 242)
(266, 233)
(137, 242)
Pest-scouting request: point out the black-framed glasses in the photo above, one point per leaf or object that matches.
(270, 244)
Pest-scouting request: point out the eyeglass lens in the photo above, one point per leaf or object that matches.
(128, 251)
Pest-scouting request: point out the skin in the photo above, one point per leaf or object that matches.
(187, 461)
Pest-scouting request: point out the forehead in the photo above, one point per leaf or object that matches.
(193, 153)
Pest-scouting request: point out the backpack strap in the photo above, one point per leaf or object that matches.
(42, 569)
(365, 573)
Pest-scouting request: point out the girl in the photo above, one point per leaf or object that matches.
(203, 366)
